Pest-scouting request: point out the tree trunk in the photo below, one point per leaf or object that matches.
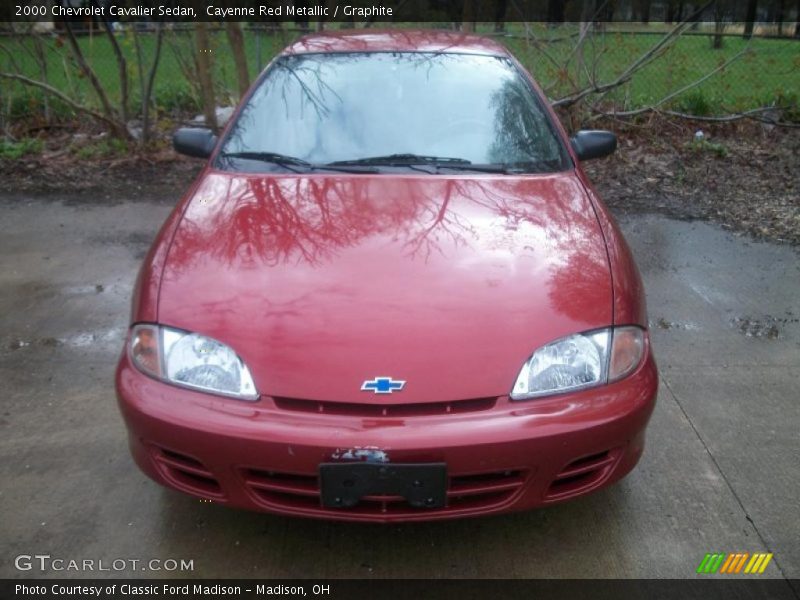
(321, 22)
(750, 18)
(645, 11)
(779, 15)
(236, 41)
(555, 11)
(468, 16)
(148, 88)
(669, 17)
(500, 15)
(41, 58)
(89, 73)
(122, 70)
(719, 25)
(797, 24)
(204, 74)
(587, 11)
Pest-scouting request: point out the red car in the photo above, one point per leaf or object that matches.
(391, 295)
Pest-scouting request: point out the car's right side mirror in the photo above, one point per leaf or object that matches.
(593, 143)
(194, 141)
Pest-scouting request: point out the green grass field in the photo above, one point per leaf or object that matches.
(769, 72)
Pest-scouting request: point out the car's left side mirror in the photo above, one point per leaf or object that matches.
(594, 143)
(194, 141)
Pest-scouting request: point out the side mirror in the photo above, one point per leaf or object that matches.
(589, 144)
(194, 141)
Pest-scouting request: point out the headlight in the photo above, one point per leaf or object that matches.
(191, 360)
(580, 361)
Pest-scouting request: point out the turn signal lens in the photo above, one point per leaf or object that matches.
(627, 349)
(144, 349)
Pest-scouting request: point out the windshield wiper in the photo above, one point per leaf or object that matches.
(401, 160)
(294, 164)
(487, 168)
(413, 161)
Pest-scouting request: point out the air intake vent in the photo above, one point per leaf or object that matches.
(187, 473)
(582, 474)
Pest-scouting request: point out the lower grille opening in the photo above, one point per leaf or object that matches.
(582, 474)
(465, 492)
(187, 473)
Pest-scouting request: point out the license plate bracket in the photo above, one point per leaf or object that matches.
(343, 485)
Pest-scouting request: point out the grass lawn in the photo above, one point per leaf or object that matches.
(769, 72)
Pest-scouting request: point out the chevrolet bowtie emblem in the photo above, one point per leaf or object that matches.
(382, 385)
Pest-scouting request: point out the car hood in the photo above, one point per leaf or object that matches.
(448, 283)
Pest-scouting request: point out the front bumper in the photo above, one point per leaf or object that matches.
(503, 456)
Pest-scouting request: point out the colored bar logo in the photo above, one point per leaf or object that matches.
(734, 563)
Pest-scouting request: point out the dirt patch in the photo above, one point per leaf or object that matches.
(159, 175)
(744, 177)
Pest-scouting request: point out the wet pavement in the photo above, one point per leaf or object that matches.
(720, 472)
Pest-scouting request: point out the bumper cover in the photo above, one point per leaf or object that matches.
(515, 456)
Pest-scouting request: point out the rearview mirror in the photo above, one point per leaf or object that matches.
(194, 141)
(594, 143)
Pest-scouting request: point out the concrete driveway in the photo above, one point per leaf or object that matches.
(720, 473)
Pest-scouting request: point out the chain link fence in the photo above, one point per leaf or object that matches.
(706, 72)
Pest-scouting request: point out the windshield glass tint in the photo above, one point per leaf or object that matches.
(323, 108)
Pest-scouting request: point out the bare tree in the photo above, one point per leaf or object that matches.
(644, 7)
(89, 73)
(501, 6)
(797, 24)
(749, 18)
(147, 87)
(122, 69)
(204, 65)
(719, 23)
(236, 41)
(597, 88)
(468, 17)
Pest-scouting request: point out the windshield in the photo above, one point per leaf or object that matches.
(446, 110)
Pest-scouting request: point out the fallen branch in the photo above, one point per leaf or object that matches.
(117, 128)
(747, 114)
(636, 65)
(668, 97)
(88, 71)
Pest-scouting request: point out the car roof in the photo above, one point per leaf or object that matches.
(396, 40)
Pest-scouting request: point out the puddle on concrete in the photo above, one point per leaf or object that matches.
(47, 342)
(90, 338)
(663, 323)
(78, 340)
(766, 327)
(44, 290)
(41, 290)
(133, 239)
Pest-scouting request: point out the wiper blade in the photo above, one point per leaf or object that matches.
(402, 160)
(487, 168)
(271, 157)
(414, 161)
(291, 162)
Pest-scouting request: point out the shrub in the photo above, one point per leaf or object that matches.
(10, 150)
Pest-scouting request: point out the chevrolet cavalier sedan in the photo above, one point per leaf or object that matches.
(391, 294)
